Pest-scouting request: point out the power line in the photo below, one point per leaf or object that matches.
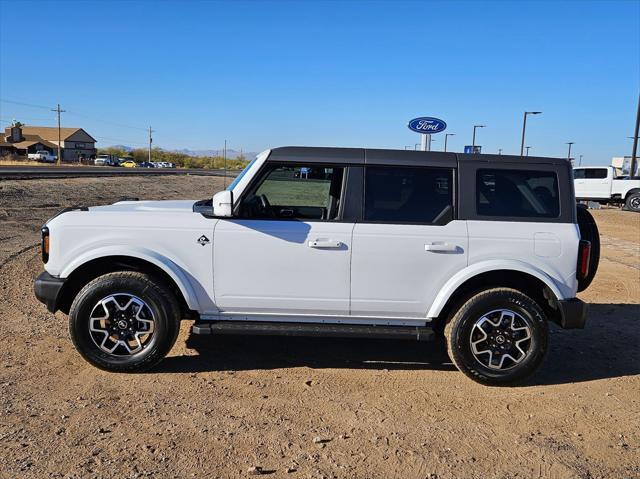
(25, 104)
(72, 112)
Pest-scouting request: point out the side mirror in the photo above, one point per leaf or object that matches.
(223, 203)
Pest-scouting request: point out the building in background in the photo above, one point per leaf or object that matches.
(622, 164)
(21, 140)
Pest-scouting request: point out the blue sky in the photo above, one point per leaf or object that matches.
(351, 73)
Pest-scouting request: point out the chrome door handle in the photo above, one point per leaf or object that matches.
(325, 244)
(441, 247)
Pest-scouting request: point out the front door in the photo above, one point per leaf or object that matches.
(408, 244)
(286, 252)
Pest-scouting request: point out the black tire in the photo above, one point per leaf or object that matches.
(162, 307)
(632, 202)
(589, 232)
(463, 328)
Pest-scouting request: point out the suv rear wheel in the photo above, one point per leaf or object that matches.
(124, 321)
(498, 337)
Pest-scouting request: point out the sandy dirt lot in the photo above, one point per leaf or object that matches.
(308, 408)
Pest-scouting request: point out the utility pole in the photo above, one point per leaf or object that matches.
(150, 142)
(58, 111)
(634, 153)
(224, 155)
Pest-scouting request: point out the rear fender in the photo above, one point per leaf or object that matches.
(469, 272)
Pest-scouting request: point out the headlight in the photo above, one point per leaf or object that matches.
(44, 243)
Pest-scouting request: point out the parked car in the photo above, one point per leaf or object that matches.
(129, 164)
(105, 160)
(146, 164)
(380, 243)
(42, 156)
(600, 184)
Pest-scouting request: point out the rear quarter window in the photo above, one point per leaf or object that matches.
(517, 193)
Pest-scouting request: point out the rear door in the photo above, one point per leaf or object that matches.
(592, 182)
(408, 244)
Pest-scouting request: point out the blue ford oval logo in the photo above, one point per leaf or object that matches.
(427, 125)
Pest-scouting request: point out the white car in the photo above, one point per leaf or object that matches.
(482, 249)
(42, 156)
(600, 184)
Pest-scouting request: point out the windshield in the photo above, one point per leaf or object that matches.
(242, 173)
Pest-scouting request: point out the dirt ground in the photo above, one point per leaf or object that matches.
(311, 408)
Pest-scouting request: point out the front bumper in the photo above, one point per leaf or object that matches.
(47, 289)
(573, 313)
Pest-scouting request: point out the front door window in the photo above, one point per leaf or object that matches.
(303, 192)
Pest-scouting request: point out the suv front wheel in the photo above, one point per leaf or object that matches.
(498, 337)
(124, 321)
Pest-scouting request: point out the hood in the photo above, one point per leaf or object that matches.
(165, 206)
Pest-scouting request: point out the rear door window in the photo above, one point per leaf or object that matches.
(595, 173)
(517, 193)
(408, 195)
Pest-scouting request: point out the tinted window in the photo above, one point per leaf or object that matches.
(590, 173)
(408, 194)
(517, 193)
(295, 192)
(595, 173)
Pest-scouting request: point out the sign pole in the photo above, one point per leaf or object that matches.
(423, 142)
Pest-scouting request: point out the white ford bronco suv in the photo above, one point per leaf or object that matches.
(483, 250)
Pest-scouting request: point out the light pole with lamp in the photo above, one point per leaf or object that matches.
(527, 147)
(569, 153)
(524, 127)
(499, 151)
(446, 137)
(473, 143)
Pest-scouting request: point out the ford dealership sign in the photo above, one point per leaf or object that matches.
(427, 125)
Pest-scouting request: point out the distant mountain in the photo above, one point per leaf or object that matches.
(123, 147)
(231, 154)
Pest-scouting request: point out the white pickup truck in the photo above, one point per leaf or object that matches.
(483, 250)
(42, 156)
(600, 184)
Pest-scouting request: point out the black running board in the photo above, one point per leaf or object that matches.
(264, 328)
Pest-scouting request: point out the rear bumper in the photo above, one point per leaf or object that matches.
(573, 313)
(47, 289)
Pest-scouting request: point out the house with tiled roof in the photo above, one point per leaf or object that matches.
(76, 143)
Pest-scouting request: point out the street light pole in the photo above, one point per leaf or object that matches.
(524, 127)
(580, 161)
(634, 153)
(527, 147)
(446, 137)
(499, 151)
(569, 153)
(473, 143)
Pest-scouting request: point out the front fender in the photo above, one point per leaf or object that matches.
(166, 264)
(470, 271)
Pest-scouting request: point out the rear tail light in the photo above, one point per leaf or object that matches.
(44, 243)
(584, 257)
